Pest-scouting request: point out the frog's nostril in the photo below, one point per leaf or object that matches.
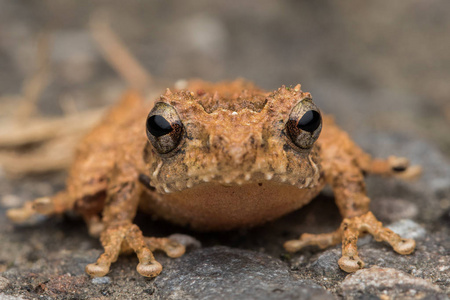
(237, 153)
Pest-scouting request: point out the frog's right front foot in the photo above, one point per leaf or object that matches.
(128, 237)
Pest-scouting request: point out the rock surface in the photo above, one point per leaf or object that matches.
(221, 272)
(3, 283)
(379, 282)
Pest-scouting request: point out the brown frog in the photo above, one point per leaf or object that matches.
(217, 157)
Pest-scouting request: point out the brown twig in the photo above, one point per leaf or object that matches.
(117, 55)
(54, 140)
(54, 155)
(447, 112)
(33, 87)
(41, 130)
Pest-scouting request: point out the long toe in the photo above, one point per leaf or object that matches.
(151, 269)
(174, 249)
(293, 245)
(97, 270)
(350, 264)
(405, 246)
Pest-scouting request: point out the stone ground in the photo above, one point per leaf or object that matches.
(381, 68)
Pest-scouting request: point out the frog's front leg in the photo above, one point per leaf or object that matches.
(121, 235)
(347, 181)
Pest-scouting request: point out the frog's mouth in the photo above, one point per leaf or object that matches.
(291, 167)
(233, 179)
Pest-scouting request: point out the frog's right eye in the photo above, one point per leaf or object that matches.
(164, 128)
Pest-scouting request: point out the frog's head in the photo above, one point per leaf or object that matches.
(227, 135)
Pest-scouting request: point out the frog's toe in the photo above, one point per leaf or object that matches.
(404, 246)
(352, 228)
(22, 214)
(170, 247)
(31, 209)
(44, 205)
(174, 249)
(94, 224)
(351, 264)
(367, 223)
(40, 207)
(294, 245)
(349, 232)
(411, 173)
(401, 168)
(395, 166)
(322, 241)
(149, 269)
(97, 269)
(127, 238)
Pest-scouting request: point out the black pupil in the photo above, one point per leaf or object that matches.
(310, 121)
(158, 126)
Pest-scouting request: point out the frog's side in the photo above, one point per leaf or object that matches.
(225, 155)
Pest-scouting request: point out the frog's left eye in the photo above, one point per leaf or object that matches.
(158, 126)
(164, 128)
(304, 124)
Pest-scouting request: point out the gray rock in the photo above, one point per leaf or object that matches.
(3, 283)
(390, 283)
(408, 229)
(327, 263)
(7, 297)
(394, 209)
(227, 273)
(101, 280)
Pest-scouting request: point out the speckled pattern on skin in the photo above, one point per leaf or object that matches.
(217, 157)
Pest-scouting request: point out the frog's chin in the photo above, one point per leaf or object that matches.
(217, 206)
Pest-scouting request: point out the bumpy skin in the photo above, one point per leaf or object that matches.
(236, 165)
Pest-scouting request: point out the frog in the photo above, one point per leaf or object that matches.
(215, 157)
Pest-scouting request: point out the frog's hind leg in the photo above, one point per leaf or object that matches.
(392, 166)
(57, 204)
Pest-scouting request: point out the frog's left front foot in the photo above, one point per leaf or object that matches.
(349, 232)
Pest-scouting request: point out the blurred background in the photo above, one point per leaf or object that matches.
(383, 64)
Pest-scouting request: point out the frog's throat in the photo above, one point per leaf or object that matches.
(211, 206)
